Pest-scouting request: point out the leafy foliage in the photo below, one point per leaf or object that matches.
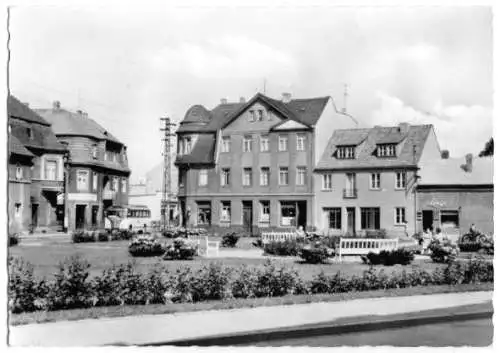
(229, 240)
(180, 249)
(389, 258)
(488, 149)
(288, 247)
(84, 236)
(443, 251)
(316, 253)
(145, 245)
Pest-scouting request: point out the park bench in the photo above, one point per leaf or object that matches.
(205, 246)
(351, 246)
(269, 237)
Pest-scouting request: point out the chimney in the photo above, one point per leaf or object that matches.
(468, 162)
(223, 101)
(242, 99)
(404, 128)
(56, 105)
(286, 97)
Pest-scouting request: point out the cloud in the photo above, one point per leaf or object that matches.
(459, 128)
(226, 57)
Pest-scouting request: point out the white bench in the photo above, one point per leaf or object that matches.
(205, 246)
(269, 237)
(363, 246)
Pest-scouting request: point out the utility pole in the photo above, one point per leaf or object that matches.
(167, 171)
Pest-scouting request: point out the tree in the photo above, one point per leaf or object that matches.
(445, 154)
(488, 149)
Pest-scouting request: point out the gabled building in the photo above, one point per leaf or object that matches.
(366, 178)
(98, 168)
(250, 164)
(455, 193)
(36, 170)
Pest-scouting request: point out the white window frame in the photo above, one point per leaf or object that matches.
(338, 215)
(301, 142)
(82, 184)
(203, 177)
(400, 180)
(264, 217)
(400, 216)
(225, 177)
(19, 172)
(247, 176)
(247, 144)
(116, 184)
(301, 175)
(377, 178)
(251, 116)
(285, 173)
(346, 152)
(282, 143)
(264, 143)
(225, 211)
(226, 144)
(261, 115)
(124, 185)
(45, 164)
(327, 182)
(265, 173)
(94, 152)
(94, 181)
(188, 145)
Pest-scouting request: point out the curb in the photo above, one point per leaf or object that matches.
(329, 328)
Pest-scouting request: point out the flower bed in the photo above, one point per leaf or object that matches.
(389, 258)
(84, 236)
(180, 249)
(118, 285)
(443, 251)
(316, 253)
(145, 246)
(288, 247)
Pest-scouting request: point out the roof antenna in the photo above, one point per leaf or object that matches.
(344, 109)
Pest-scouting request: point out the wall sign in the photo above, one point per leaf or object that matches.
(437, 203)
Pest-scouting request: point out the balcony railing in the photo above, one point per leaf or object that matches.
(350, 193)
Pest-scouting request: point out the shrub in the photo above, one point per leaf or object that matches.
(316, 253)
(170, 233)
(103, 236)
(258, 243)
(212, 282)
(275, 282)
(24, 291)
(443, 252)
(71, 288)
(399, 256)
(126, 234)
(245, 282)
(229, 240)
(180, 249)
(13, 239)
(83, 236)
(145, 246)
(283, 248)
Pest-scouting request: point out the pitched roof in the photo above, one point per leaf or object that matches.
(16, 147)
(365, 158)
(394, 135)
(21, 111)
(65, 122)
(449, 172)
(202, 152)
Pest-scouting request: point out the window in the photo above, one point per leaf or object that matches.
(301, 176)
(19, 172)
(261, 115)
(449, 219)
(225, 211)
(264, 176)
(400, 180)
(301, 142)
(386, 150)
(251, 117)
(204, 213)
(265, 212)
(10, 128)
(334, 216)
(115, 157)
(203, 177)
(247, 144)
(283, 176)
(226, 143)
(288, 213)
(375, 181)
(124, 185)
(264, 143)
(29, 132)
(370, 218)
(94, 181)
(327, 182)
(94, 152)
(247, 176)
(17, 209)
(50, 170)
(82, 180)
(115, 184)
(225, 177)
(188, 145)
(400, 216)
(345, 152)
(283, 143)
(105, 155)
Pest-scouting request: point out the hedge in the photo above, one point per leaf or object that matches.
(120, 285)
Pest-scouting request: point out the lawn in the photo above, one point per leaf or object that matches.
(46, 256)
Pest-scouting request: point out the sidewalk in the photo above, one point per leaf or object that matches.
(172, 327)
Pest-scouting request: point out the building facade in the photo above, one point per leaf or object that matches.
(249, 164)
(43, 178)
(453, 194)
(366, 179)
(97, 168)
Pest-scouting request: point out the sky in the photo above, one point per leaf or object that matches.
(129, 66)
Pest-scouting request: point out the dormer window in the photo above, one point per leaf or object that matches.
(261, 115)
(346, 152)
(252, 116)
(29, 131)
(94, 151)
(386, 150)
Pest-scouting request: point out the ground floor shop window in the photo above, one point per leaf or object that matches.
(449, 219)
(204, 213)
(225, 213)
(334, 217)
(370, 218)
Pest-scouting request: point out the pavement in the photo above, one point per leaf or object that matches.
(162, 329)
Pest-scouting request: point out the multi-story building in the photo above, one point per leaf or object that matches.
(98, 170)
(250, 163)
(366, 178)
(36, 177)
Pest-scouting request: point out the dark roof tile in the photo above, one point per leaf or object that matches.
(16, 147)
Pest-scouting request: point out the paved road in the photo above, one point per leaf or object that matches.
(476, 333)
